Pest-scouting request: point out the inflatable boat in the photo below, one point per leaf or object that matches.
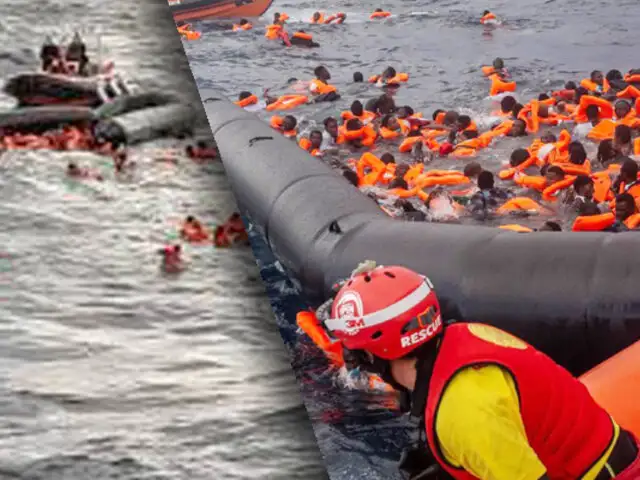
(572, 295)
(187, 10)
(38, 89)
(41, 119)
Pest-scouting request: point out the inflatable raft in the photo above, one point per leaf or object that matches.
(41, 119)
(574, 296)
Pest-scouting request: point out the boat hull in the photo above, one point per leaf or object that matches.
(207, 9)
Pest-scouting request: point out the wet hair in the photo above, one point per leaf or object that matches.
(623, 103)
(437, 112)
(464, 121)
(353, 124)
(351, 177)
(515, 111)
(290, 119)
(613, 75)
(379, 10)
(328, 120)
(387, 158)
(623, 134)
(398, 182)
(357, 108)
(244, 21)
(507, 103)
(451, 117)
(486, 180)
(582, 181)
(543, 96)
(519, 156)
(553, 226)
(189, 151)
(319, 70)
(317, 133)
(577, 153)
(498, 63)
(628, 167)
(358, 77)
(472, 169)
(486, 12)
(606, 151)
(389, 72)
(570, 85)
(592, 111)
(244, 95)
(190, 219)
(292, 80)
(406, 110)
(594, 73)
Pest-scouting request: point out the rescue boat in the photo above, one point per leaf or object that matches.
(188, 10)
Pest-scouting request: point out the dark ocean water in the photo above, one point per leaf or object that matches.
(108, 369)
(442, 46)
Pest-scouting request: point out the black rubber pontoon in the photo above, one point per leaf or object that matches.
(574, 296)
(41, 119)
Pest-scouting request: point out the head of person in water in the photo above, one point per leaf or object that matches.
(378, 10)
(584, 186)
(518, 157)
(353, 125)
(385, 104)
(244, 95)
(571, 85)
(548, 137)
(507, 103)
(561, 106)
(451, 118)
(289, 123)
(357, 108)
(463, 122)
(317, 16)
(358, 77)
(593, 114)
(315, 138)
(472, 170)
(622, 108)
(543, 96)
(387, 158)
(190, 151)
(390, 122)
(398, 182)
(518, 129)
(389, 73)
(486, 12)
(622, 138)
(331, 126)
(322, 73)
(404, 112)
(606, 152)
(244, 21)
(550, 226)
(515, 111)
(577, 153)
(351, 176)
(614, 75)
(588, 209)
(498, 64)
(276, 18)
(72, 168)
(552, 174)
(436, 113)
(597, 77)
(628, 170)
(625, 206)
(486, 180)
(402, 169)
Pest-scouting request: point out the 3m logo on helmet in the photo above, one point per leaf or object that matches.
(349, 309)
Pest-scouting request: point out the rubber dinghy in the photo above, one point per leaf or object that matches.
(41, 119)
(573, 296)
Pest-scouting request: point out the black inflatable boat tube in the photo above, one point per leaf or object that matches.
(574, 296)
(40, 119)
(148, 124)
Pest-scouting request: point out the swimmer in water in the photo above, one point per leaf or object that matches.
(358, 77)
(488, 198)
(300, 39)
(172, 259)
(201, 152)
(193, 231)
(330, 134)
(76, 172)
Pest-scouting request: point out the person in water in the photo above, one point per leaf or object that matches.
(625, 207)
(488, 198)
(320, 87)
(358, 77)
(172, 259)
(330, 134)
(484, 403)
(300, 39)
(193, 231)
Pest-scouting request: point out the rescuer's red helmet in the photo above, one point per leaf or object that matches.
(385, 311)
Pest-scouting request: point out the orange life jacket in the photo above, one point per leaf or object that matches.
(388, 134)
(593, 223)
(488, 18)
(287, 102)
(276, 123)
(365, 118)
(573, 169)
(516, 228)
(605, 108)
(305, 144)
(590, 85)
(630, 92)
(245, 102)
(632, 222)
(367, 135)
(319, 20)
(550, 194)
(520, 204)
(604, 130)
(318, 87)
(499, 86)
(376, 15)
(509, 173)
(567, 444)
(302, 36)
(273, 31)
(246, 26)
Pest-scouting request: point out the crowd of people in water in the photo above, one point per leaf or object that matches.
(551, 176)
(79, 136)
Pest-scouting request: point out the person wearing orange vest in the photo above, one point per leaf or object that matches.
(485, 404)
